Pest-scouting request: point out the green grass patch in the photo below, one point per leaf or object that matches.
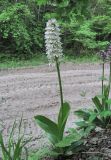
(16, 63)
(42, 59)
(83, 59)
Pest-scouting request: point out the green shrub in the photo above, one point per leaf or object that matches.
(20, 32)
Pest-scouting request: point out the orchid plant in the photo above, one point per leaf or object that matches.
(55, 131)
(101, 114)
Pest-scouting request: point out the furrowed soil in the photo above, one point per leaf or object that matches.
(34, 91)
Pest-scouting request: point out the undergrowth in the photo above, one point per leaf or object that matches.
(40, 60)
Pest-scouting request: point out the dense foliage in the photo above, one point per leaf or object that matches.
(85, 25)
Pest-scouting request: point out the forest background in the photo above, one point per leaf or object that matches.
(85, 27)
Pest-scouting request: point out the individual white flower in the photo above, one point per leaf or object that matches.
(53, 41)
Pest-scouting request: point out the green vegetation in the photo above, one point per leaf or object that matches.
(84, 23)
(82, 59)
(64, 146)
(100, 116)
(15, 146)
(85, 31)
(55, 131)
(41, 59)
(16, 63)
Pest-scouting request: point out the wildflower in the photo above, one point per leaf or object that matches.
(109, 52)
(53, 41)
(103, 55)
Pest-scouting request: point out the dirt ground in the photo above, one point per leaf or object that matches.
(33, 91)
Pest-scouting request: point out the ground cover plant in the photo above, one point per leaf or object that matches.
(15, 149)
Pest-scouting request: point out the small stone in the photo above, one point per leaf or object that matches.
(105, 137)
(109, 155)
(91, 149)
(98, 129)
(107, 150)
(94, 140)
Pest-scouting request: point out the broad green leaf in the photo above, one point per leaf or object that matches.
(92, 117)
(49, 127)
(76, 146)
(108, 101)
(89, 129)
(105, 114)
(98, 121)
(81, 124)
(68, 140)
(97, 103)
(106, 91)
(83, 114)
(72, 131)
(62, 118)
(100, 96)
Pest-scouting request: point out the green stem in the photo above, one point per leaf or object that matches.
(102, 78)
(110, 77)
(59, 79)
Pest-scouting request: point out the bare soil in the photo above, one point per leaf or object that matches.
(33, 91)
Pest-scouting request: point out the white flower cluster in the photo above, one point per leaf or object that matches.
(53, 41)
